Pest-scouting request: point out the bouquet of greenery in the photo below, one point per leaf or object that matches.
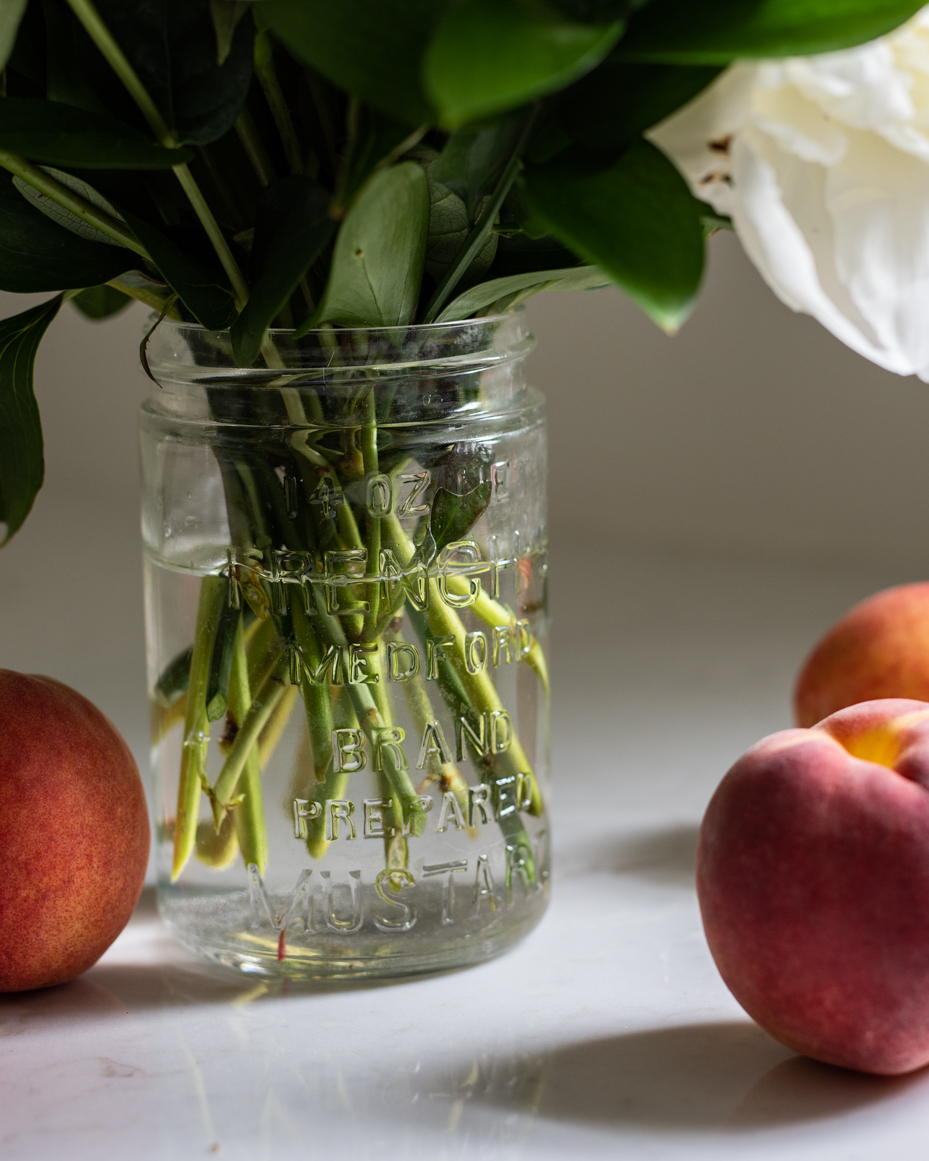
(308, 164)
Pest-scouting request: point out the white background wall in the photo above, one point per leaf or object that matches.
(752, 433)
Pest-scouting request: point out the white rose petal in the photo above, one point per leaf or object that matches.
(823, 164)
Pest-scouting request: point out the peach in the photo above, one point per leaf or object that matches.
(73, 831)
(813, 881)
(880, 648)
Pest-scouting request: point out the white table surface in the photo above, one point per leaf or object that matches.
(607, 1033)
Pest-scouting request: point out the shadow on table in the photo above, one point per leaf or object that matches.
(710, 1077)
(665, 855)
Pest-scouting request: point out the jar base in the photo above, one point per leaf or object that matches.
(299, 956)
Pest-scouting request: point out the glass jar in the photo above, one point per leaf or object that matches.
(346, 615)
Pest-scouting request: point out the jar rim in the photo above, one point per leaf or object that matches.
(181, 352)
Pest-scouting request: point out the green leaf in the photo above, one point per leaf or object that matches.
(449, 226)
(372, 48)
(37, 254)
(619, 100)
(22, 466)
(683, 32)
(226, 15)
(491, 55)
(453, 514)
(204, 292)
(377, 264)
(100, 302)
(171, 44)
(61, 215)
(635, 219)
(487, 293)
(57, 134)
(11, 13)
(474, 157)
(293, 227)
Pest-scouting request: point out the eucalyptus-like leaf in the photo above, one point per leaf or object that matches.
(488, 56)
(293, 229)
(635, 219)
(205, 293)
(22, 466)
(64, 217)
(377, 263)
(226, 15)
(372, 48)
(479, 297)
(171, 44)
(683, 32)
(56, 134)
(100, 302)
(474, 157)
(453, 514)
(38, 254)
(11, 13)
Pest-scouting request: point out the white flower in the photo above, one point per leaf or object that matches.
(823, 164)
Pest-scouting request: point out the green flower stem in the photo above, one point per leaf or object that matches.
(271, 87)
(255, 151)
(196, 725)
(69, 200)
(106, 42)
(315, 697)
(249, 814)
(480, 689)
(419, 705)
(98, 32)
(371, 465)
(496, 615)
(253, 723)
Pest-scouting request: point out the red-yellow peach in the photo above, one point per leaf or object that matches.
(880, 648)
(813, 881)
(74, 832)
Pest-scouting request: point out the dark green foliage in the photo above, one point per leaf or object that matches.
(36, 254)
(22, 466)
(204, 292)
(172, 46)
(653, 249)
(371, 48)
(684, 32)
(293, 228)
(452, 514)
(395, 162)
(56, 134)
(100, 302)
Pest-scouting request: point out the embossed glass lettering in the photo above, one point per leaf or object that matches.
(374, 816)
(394, 881)
(499, 474)
(433, 743)
(450, 813)
(409, 505)
(478, 740)
(339, 810)
(525, 786)
(448, 894)
(503, 644)
(435, 652)
(413, 583)
(484, 886)
(475, 652)
(518, 862)
(402, 661)
(258, 899)
(458, 560)
(304, 809)
(336, 580)
(504, 795)
(390, 738)
(335, 922)
(501, 731)
(357, 665)
(480, 802)
(348, 750)
(378, 494)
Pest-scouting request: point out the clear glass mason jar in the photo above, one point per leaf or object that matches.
(346, 619)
